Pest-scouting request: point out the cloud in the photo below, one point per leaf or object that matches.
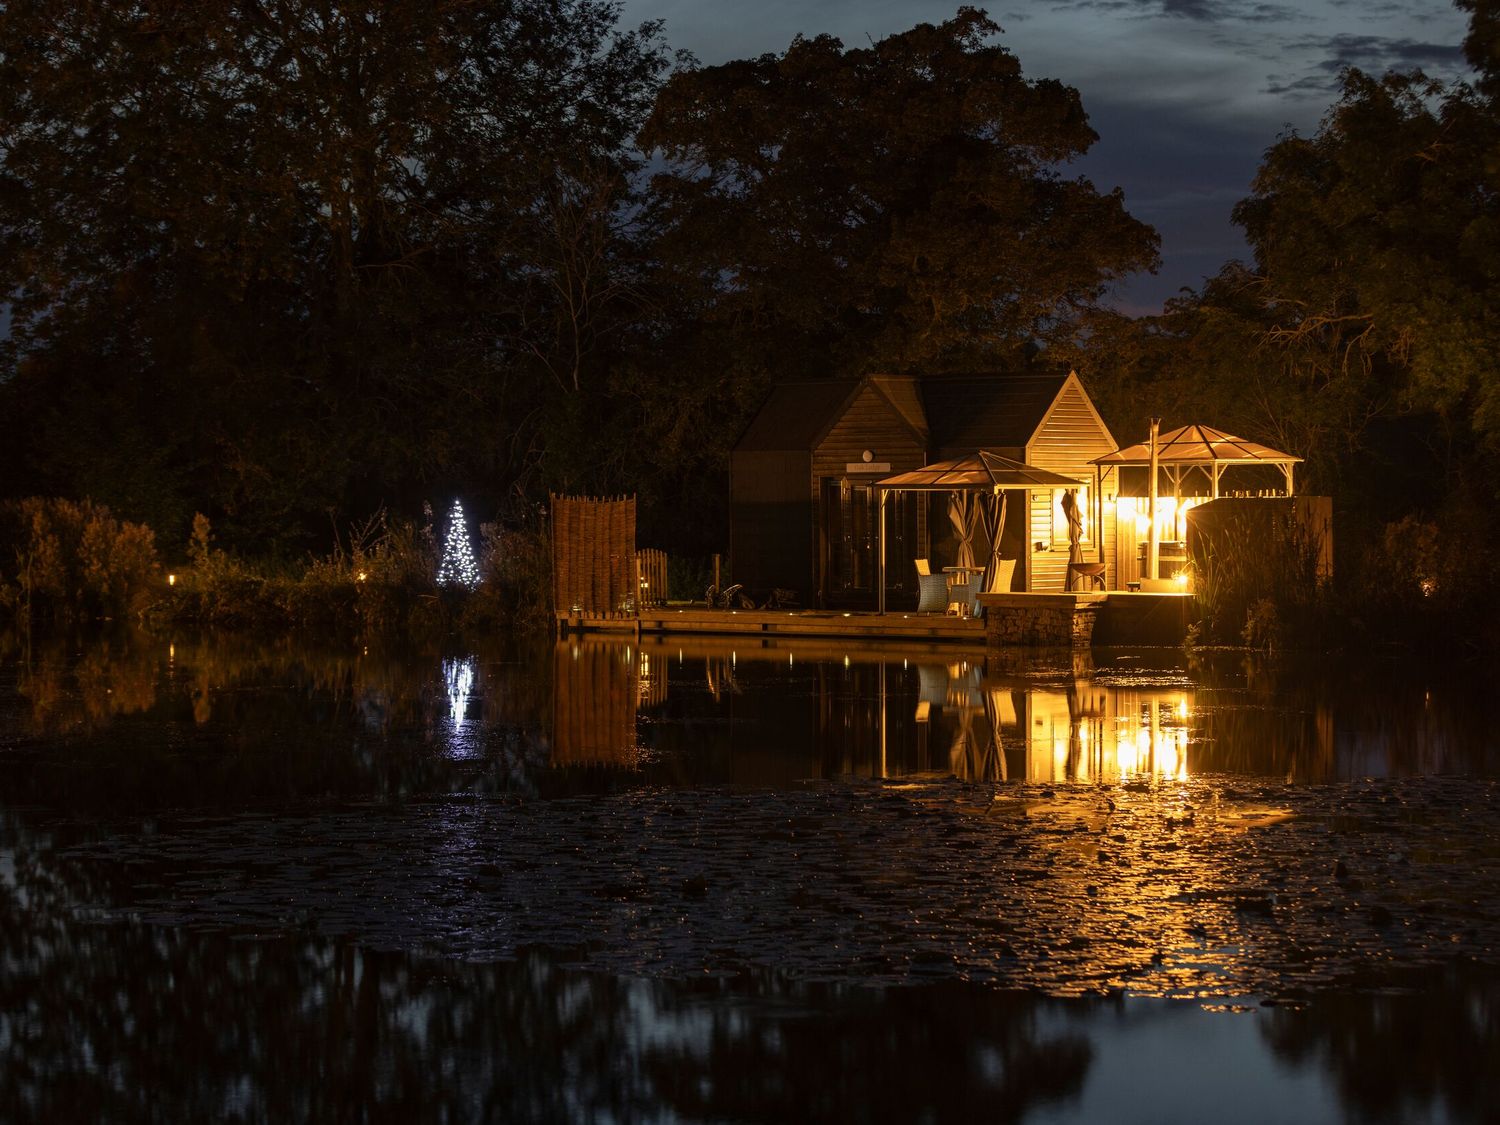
(1195, 11)
(1372, 52)
(1375, 54)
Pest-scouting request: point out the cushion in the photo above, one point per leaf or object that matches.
(1004, 574)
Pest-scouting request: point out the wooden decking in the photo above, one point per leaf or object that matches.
(781, 622)
(1123, 619)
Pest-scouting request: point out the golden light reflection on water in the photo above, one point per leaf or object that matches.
(770, 711)
(1092, 733)
(879, 712)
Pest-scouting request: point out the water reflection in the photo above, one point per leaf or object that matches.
(820, 711)
(459, 676)
(197, 720)
(598, 686)
(177, 1025)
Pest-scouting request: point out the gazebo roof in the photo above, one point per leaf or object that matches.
(979, 472)
(1198, 445)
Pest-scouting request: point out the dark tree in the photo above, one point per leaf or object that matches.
(274, 257)
(895, 206)
(1381, 235)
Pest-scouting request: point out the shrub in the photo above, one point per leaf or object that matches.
(1417, 582)
(73, 561)
(1256, 580)
(516, 587)
(687, 578)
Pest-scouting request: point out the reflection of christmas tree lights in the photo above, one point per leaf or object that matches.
(458, 567)
(459, 677)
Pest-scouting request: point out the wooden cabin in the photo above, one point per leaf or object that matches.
(804, 513)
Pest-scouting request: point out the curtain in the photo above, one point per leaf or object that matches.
(994, 523)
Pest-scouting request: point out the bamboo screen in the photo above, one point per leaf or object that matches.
(593, 556)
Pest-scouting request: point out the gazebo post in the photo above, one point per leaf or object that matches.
(1153, 544)
(1287, 469)
(1099, 514)
(1174, 473)
(881, 569)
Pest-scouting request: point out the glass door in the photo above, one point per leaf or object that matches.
(851, 540)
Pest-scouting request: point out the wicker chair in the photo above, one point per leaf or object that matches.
(932, 589)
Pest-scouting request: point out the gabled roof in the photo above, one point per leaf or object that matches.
(903, 394)
(982, 472)
(795, 415)
(952, 414)
(997, 411)
(1198, 445)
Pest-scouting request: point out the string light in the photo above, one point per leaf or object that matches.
(458, 567)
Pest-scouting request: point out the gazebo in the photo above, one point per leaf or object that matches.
(968, 479)
(1181, 452)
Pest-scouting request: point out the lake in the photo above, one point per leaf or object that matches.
(599, 880)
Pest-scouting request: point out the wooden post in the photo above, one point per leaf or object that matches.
(880, 570)
(1153, 540)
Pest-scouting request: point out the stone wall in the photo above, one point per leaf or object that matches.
(1040, 620)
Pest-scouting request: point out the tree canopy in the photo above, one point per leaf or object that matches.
(276, 257)
(1382, 232)
(883, 207)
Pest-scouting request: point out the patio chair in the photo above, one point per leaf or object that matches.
(932, 590)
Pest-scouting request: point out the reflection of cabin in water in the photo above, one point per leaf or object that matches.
(804, 510)
(818, 711)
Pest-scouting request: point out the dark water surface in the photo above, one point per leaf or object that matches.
(702, 881)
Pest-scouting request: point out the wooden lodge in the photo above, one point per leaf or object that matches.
(839, 488)
(804, 509)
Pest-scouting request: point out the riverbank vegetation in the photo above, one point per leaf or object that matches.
(75, 564)
(532, 249)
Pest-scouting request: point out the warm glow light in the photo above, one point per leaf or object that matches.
(1183, 579)
(1171, 515)
(1112, 738)
(171, 580)
(360, 577)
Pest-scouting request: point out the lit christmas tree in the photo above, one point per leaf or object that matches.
(458, 567)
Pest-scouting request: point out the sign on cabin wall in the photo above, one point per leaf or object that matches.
(881, 467)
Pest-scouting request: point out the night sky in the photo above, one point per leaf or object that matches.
(1185, 94)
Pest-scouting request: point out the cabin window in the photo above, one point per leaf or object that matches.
(1060, 517)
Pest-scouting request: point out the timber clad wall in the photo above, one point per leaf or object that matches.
(1070, 436)
(809, 434)
(869, 423)
(771, 519)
